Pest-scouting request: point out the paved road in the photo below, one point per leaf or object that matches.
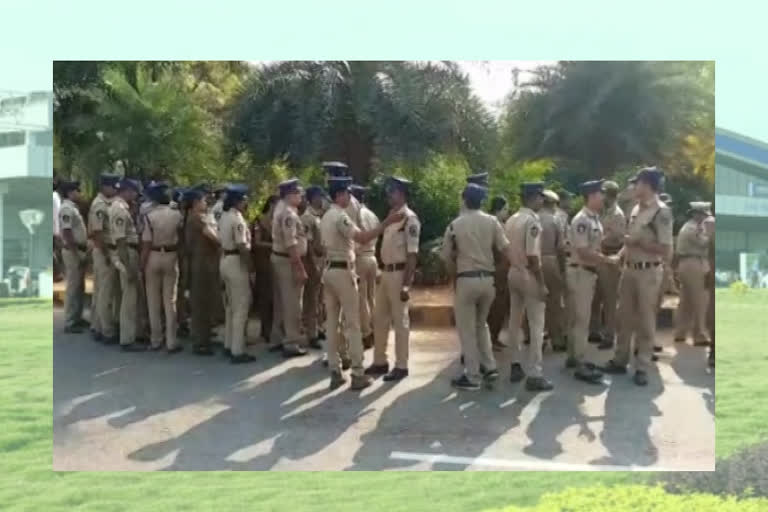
(152, 411)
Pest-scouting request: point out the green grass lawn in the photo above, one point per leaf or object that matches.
(27, 482)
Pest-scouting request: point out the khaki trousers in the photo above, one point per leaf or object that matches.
(162, 277)
(237, 302)
(554, 316)
(367, 268)
(472, 302)
(605, 301)
(129, 296)
(105, 284)
(581, 289)
(340, 296)
(310, 309)
(524, 297)
(291, 294)
(75, 274)
(391, 312)
(499, 314)
(691, 314)
(638, 295)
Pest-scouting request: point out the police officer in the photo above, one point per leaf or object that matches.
(526, 287)
(399, 254)
(481, 179)
(125, 257)
(692, 255)
(614, 222)
(236, 269)
(261, 248)
(553, 268)
(586, 236)
(218, 207)
(104, 273)
(312, 264)
(75, 237)
(648, 241)
(367, 267)
(161, 268)
(469, 245)
(339, 235)
(498, 317)
(709, 227)
(289, 245)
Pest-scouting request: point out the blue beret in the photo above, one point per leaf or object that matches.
(589, 187)
(313, 191)
(475, 192)
(532, 188)
(127, 183)
(478, 179)
(397, 183)
(336, 168)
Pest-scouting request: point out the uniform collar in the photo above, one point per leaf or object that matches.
(589, 212)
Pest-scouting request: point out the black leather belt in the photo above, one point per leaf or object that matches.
(165, 248)
(611, 251)
(585, 267)
(339, 264)
(643, 264)
(132, 246)
(476, 273)
(281, 254)
(393, 267)
(230, 252)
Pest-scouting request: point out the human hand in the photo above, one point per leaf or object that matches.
(405, 295)
(393, 217)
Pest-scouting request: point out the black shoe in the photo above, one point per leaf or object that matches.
(464, 383)
(154, 348)
(679, 340)
(489, 375)
(97, 337)
(325, 363)
(641, 379)
(614, 368)
(590, 374)
(711, 361)
(176, 349)
(571, 362)
(143, 340)
(538, 384)
(461, 359)
(134, 347)
(657, 349)
(337, 380)
(654, 358)
(203, 350)
(377, 369)
(346, 363)
(368, 342)
(396, 374)
(110, 340)
(276, 348)
(315, 344)
(294, 352)
(85, 324)
(182, 331)
(226, 352)
(595, 337)
(321, 335)
(516, 373)
(360, 382)
(605, 345)
(242, 358)
(73, 330)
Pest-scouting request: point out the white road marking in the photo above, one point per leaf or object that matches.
(521, 465)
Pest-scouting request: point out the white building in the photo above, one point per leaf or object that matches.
(26, 172)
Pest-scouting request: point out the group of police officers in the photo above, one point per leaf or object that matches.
(311, 260)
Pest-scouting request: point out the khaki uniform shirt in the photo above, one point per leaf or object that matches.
(337, 232)
(523, 231)
(311, 224)
(551, 233)
(122, 226)
(162, 226)
(470, 240)
(586, 233)
(233, 230)
(288, 231)
(70, 218)
(368, 221)
(401, 238)
(651, 222)
(98, 217)
(614, 228)
(692, 240)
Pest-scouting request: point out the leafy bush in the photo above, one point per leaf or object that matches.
(739, 287)
(633, 498)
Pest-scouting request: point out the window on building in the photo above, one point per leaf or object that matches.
(43, 138)
(10, 139)
(735, 241)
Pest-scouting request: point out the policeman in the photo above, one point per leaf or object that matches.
(367, 267)
(339, 235)
(481, 179)
(125, 257)
(469, 245)
(603, 326)
(104, 274)
(312, 264)
(586, 235)
(73, 233)
(648, 241)
(261, 248)
(146, 205)
(553, 268)
(161, 268)
(289, 245)
(498, 317)
(218, 206)
(399, 254)
(692, 255)
(236, 269)
(709, 228)
(526, 287)
(317, 207)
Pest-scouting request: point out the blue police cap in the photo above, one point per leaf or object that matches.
(358, 191)
(475, 192)
(313, 191)
(108, 179)
(588, 187)
(290, 186)
(651, 175)
(397, 183)
(479, 179)
(192, 194)
(532, 188)
(128, 183)
(337, 183)
(236, 191)
(336, 168)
